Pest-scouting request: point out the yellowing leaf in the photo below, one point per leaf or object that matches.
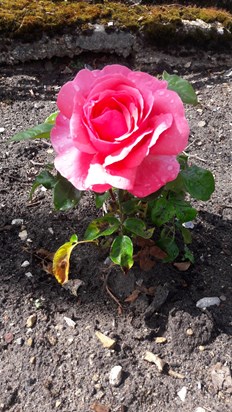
(61, 259)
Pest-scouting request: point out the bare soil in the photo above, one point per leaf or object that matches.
(53, 366)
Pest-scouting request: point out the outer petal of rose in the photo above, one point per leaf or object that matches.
(167, 101)
(65, 99)
(74, 165)
(78, 130)
(115, 69)
(145, 81)
(85, 79)
(174, 140)
(153, 173)
(98, 175)
(60, 135)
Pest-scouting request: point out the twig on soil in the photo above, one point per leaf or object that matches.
(197, 157)
(110, 292)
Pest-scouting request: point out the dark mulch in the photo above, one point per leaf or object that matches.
(66, 368)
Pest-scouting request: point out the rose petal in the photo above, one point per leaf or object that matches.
(153, 173)
(110, 125)
(65, 99)
(74, 166)
(133, 154)
(167, 101)
(174, 140)
(99, 175)
(60, 134)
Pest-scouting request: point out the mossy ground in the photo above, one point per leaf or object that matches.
(29, 18)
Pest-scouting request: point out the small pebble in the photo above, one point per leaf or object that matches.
(206, 302)
(182, 393)
(19, 341)
(69, 322)
(188, 225)
(200, 409)
(32, 360)
(23, 235)
(30, 342)
(2, 129)
(51, 230)
(31, 321)
(17, 222)
(223, 298)
(189, 332)
(8, 337)
(116, 375)
(52, 340)
(28, 275)
(25, 264)
(160, 339)
(201, 123)
(58, 403)
(201, 348)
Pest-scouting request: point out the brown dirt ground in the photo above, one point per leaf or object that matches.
(53, 366)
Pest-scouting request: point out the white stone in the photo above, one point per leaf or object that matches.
(17, 222)
(28, 275)
(199, 409)
(206, 302)
(23, 235)
(115, 377)
(19, 341)
(69, 322)
(182, 393)
(25, 264)
(201, 123)
(2, 129)
(188, 225)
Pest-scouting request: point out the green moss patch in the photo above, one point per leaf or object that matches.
(28, 19)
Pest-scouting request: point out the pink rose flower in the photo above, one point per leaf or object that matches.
(118, 128)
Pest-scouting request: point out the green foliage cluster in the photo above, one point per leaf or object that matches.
(29, 18)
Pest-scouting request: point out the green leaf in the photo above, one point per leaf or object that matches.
(186, 234)
(65, 195)
(170, 247)
(198, 182)
(73, 239)
(188, 255)
(184, 211)
(41, 131)
(103, 226)
(162, 212)
(121, 252)
(182, 87)
(130, 206)
(101, 198)
(52, 118)
(45, 179)
(176, 185)
(138, 227)
(183, 161)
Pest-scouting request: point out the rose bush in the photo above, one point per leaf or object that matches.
(119, 128)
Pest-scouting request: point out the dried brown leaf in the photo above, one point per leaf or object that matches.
(157, 253)
(99, 407)
(45, 254)
(133, 296)
(182, 266)
(47, 267)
